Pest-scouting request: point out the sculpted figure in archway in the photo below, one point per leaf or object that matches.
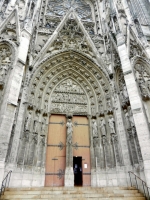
(28, 121)
(131, 120)
(103, 126)
(69, 131)
(111, 124)
(94, 128)
(3, 72)
(143, 88)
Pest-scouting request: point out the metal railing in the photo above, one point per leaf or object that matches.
(139, 184)
(5, 183)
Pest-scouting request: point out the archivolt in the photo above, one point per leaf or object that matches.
(90, 77)
(140, 60)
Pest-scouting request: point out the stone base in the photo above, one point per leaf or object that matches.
(110, 177)
(2, 167)
(99, 177)
(69, 177)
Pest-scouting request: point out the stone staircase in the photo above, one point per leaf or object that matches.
(76, 193)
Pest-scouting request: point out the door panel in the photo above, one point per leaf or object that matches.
(80, 130)
(56, 151)
(81, 146)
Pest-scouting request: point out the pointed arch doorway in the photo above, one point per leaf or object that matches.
(68, 162)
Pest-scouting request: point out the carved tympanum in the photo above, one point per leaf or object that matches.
(68, 97)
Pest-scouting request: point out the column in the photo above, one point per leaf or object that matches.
(69, 174)
(93, 160)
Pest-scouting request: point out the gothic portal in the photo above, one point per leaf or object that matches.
(74, 92)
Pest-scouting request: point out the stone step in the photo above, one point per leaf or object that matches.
(74, 193)
(99, 191)
(103, 198)
(70, 188)
(62, 196)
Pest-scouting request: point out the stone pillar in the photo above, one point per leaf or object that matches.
(18, 130)
(69, 174)
(93, 163)
(121, 132)
(12, 98)
(136, 105)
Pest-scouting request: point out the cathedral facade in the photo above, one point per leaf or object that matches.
(74, 92)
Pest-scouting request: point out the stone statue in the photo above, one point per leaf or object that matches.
(94, 128)
(69, 131)
(3, 72)
(93, 111)
(143, 88)
(36, 126)
(111, 124)
(125, 93)
(126, 114)
(101, 107)
(103, 126)
(131, 120)
(43, 129)
(108, 104)
(28, 121)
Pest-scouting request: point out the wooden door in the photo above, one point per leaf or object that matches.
(81, 146)
(56, 151)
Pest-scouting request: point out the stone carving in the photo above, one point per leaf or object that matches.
(103, 126)
(36, 127)
(143, 78)
(116, 25)
(101, 107)
(127, 118)
(125, 93)
(59, 8)
(104, 140)
(124, 97)
(5, 60)
(69, 97)
(5, 55)
(108, 105)
(43, 129)
(69, 131)
(131, 120)
(94, 129)
(28, 121)
(71, 36)
(3, 7)
(95, 142)
(93, 110)
(111, 123)
(143, 89)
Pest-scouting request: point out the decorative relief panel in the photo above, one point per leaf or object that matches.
(68, 97)
(5, 61)
(71, 36)
(58, 8)
(143, 78)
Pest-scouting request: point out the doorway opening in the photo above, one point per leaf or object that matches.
(77, 168)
